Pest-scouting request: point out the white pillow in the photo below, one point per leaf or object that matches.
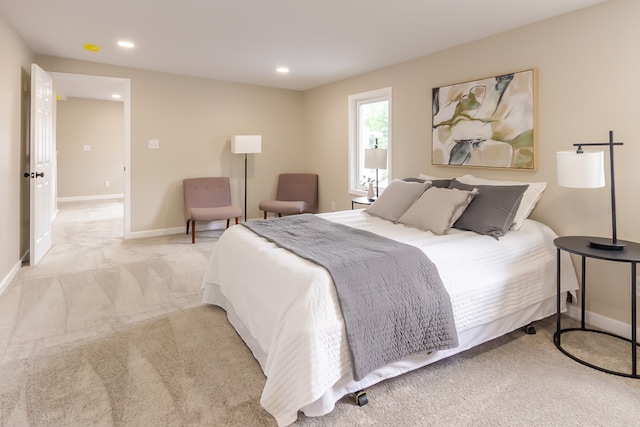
(431, 177)
(529, 198)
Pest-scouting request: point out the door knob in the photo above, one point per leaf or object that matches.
(32, 175)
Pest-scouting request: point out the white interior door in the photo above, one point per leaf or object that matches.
(41, 148)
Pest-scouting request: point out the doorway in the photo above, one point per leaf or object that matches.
(88, 87)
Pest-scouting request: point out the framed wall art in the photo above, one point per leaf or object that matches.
(488, 123)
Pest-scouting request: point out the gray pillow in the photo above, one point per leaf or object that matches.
(437, 209)
(529, 199)
(396, 199)
(492, 210)
(440, 183)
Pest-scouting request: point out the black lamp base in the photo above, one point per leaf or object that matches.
(608, 244)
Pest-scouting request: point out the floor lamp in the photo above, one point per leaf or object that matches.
(246, 144)
(585, 169)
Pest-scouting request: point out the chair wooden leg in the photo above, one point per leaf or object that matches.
(228, 219)
(236, 220)
(265, 214)
(188, 227)
(193, 232)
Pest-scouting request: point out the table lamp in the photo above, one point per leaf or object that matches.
(375, 158)
(585, 169)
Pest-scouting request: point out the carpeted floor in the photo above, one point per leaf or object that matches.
(107, 332)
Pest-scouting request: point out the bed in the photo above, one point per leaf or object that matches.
(286, 309)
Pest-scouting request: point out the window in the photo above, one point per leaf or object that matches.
(369, 124)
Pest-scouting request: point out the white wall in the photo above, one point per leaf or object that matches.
(100, 125)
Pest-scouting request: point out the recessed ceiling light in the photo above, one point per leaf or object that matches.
(123, 43)
(116, 96)
(282, 70)
(91, 47)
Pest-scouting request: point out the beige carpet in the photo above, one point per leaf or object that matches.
(106, 332)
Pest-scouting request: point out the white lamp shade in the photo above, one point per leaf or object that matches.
(580, 170)
(241, 144)
(375, 158)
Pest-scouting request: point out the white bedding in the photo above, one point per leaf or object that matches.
(286, 310)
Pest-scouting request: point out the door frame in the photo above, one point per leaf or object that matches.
(95, 87)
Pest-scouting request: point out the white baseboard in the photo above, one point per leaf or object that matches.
(217, 225)
(88, 198)
(9, 277)
(602, 322)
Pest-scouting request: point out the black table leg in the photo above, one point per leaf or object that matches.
(633, 320)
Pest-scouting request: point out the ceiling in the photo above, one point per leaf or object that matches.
(245, 40)
(93, 87)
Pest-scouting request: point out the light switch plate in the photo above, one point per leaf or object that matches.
(86, 147)
(154, 144)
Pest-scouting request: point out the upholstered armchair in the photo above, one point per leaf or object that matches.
(297, 193)
(208, 199)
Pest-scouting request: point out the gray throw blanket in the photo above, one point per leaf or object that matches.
(391, 296)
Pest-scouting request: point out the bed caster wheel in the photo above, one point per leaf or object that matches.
(529, 329)
(361, 398)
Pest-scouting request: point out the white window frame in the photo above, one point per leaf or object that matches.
(356, 160)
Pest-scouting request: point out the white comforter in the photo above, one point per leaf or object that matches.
(289, 307)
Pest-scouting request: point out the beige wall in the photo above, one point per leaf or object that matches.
(587, 64)
(14, 86)
(194, 120)
(99, 124)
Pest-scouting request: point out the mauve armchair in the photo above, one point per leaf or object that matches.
(208, 199)
(297, 193)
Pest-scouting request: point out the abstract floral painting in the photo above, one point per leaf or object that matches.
(486, 123)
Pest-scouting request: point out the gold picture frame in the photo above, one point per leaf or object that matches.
(488, 123)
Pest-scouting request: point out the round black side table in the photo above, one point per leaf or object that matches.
(579, 245)
(361, 201)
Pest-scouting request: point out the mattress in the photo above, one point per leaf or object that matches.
(286, 310)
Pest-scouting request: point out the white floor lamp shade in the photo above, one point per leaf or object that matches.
(246, 144)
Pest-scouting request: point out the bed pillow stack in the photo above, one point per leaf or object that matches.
(418, 203)
(485, 206)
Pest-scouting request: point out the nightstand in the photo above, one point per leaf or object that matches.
(361, 201)
(579, 245)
